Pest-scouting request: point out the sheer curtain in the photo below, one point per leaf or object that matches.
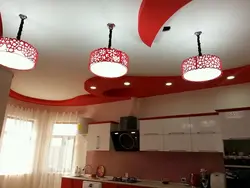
(36, 148)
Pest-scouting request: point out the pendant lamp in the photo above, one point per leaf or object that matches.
(109, 62)
(16, 53)
(201, 68)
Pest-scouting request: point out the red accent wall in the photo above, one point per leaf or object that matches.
(155, 165)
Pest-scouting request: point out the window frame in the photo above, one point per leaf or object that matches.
(64, 138)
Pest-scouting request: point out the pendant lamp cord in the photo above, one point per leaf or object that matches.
(19, 33)
(111, 27)
(198, 34)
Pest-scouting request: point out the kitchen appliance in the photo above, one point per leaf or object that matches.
(100, 171)
(125, 180)
(237, 163)
(128, 123)
(91, 184)
(194, 180)
(204, 178)
(126, 140)
(217, 180)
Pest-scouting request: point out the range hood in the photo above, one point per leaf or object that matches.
(130, 122)
(127, 137)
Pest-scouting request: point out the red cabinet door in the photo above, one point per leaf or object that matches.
(124, 186)
(67, 183)
(77, 183)
(109, 185)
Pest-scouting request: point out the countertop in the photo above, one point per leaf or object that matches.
(142, 183)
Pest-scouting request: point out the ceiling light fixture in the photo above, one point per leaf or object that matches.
(16, 53)
(201, 68)
(126, 83)
(109, 62)
(230, 77)
(168, 84)
(92, 87)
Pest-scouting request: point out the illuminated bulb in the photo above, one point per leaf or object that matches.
(92, 87)
(230, 77)
(126, 83)
(168, 84)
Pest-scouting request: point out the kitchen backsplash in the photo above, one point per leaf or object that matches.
(155, 165)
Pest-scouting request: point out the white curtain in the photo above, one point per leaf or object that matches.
(36, 147)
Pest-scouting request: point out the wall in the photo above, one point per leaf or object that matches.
(201, 101)
(194, 102)
(155, 165)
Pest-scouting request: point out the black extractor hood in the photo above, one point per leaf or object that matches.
(126, 138)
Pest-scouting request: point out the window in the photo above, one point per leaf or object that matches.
(17, 149)
(62, 148)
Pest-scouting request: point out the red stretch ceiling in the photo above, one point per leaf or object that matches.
(152, 16)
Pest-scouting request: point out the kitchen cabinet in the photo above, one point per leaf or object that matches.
(77, 183)
(235, 125)
(206, 134)
(98, 137)
(151, 137)
(66, 183)
(197, 134)
(177, 134)
(109, 185)
(205, 124)
(117, 185)
(151, 142)
(176, 125)
(177, 142)
(71, 183)
(154, 126)
(207, 142)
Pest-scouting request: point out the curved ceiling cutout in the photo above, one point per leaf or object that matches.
(111, 90)
(154, 14)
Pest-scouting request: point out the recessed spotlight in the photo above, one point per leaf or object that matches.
(92, 87)
(230, 77)
(126, 83)
(168, 84)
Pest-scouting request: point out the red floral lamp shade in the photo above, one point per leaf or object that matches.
(16, 53)
(201, 68)
(108, 62)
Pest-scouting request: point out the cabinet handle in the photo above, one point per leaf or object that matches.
(208, 132)
(151, 134)
(98, 142)
(176, 133)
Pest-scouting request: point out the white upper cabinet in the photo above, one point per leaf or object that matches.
(151, 127)
(151, 135)
(235, 124)
(207, 142)
(176, 125)
(205, 124)
(98, 136)
(151, 142)
(177, 142)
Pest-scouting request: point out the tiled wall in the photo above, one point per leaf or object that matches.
(155, 165)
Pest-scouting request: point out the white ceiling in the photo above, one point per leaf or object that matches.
(65, 32)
